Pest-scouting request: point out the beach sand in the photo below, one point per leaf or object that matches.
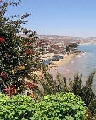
(58, 66)
(66, 59)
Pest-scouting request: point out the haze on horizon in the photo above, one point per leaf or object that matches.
(75, 18)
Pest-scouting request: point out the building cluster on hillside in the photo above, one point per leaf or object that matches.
(51, 51)
(58, 48)
(53, 48)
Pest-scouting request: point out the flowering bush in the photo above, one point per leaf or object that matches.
(31, 85)
(18, 55)
(11, 90)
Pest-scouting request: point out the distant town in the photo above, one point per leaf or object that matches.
(62, 44)
(64, 39)
(55, 47)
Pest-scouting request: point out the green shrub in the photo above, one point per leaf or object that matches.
(85, 91)
(16, 108)
(63, 106)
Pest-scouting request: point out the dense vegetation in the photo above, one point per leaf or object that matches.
(19, 56)
(61, 106)
(18, 108)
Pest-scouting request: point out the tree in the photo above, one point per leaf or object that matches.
(19, 56)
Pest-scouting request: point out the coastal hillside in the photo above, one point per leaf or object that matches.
(58, 38)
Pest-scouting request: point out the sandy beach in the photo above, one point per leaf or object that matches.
(58, 66)
(66, 58)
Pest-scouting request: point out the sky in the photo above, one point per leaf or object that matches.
(75, 18)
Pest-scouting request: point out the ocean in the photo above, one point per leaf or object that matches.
(88, 61)
(84, 63)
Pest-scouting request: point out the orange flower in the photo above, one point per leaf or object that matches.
(33, 95)
(12, 71)
(22, 67)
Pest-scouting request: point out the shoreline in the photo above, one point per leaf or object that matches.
(63, 61)
(89, 43)
(58, 66)
(66, 58)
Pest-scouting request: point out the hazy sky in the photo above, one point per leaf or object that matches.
(60, 17)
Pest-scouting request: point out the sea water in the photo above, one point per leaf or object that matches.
(89, 61)
(84, 63)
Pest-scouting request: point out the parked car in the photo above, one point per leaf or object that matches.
(55, 58)
(60, 56)
(47, 62)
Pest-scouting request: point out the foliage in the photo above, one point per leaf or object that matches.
(13, 22)
(19, 56)
(61, 106)
(85, 91)
(49, 85)
(88, 94)
(19, 107)
(76, 86)
(61, 83)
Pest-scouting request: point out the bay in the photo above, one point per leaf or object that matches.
(90, 61)
(84, 63)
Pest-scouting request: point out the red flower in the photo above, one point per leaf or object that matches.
(12, 90)
(31, 85)
(7, 55)
(4, 75)
(28, 52)
(2, 40)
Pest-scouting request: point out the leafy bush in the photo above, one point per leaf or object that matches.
(63, 106)
(85, 92)
(20, 107)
